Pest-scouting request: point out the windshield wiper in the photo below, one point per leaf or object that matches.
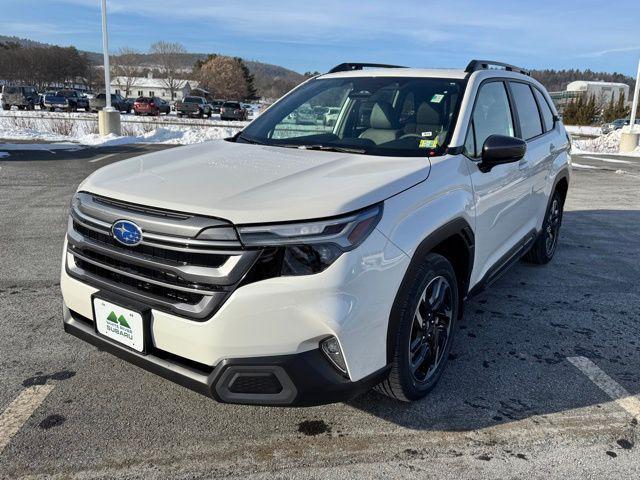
(325, 148)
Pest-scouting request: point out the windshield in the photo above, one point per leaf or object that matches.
(372, 115)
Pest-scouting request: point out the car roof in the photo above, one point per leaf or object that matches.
(400, 72)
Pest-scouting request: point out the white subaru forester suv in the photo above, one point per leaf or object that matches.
(301, 263)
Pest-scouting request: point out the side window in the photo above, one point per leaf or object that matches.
(528, 113)
(470, 142)
(547, 114)
(491, 114)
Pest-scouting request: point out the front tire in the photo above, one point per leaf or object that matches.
(546, 244)
(423, 321)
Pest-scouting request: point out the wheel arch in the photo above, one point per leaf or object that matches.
(455, 241)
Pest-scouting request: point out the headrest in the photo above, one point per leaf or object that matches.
(427, 115)
(381, 116)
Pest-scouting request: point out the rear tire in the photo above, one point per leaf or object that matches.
(546, 243)
(423, 320)
(6, 107)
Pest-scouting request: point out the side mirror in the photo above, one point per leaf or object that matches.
(499, 149)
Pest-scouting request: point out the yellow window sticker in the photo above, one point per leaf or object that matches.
(428, 143)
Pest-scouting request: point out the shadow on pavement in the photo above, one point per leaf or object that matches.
(509, 362)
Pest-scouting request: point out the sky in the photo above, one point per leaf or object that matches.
(310, 35)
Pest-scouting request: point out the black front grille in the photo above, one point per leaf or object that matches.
(181, 257)
(127, 267)
(166, 293)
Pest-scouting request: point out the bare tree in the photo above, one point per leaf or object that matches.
(170, 58)
(126, 64)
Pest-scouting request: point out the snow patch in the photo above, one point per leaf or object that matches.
(579, 166)
(582, 130)
(604, 144)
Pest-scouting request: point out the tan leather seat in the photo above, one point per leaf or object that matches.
(383, 126)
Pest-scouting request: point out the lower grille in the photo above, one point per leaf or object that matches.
(257, 383)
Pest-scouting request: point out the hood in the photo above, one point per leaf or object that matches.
(246, 183)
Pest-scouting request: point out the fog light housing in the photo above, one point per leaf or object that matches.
(331, 349)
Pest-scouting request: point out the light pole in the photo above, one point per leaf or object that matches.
(108, 118)
(634, 107)
(105, 52)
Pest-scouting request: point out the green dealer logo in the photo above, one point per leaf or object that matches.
(118, 320)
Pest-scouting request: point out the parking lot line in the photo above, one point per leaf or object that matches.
(19, 411)
(99, 159)
(608, 385)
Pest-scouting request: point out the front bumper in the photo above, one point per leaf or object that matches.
(302, 379)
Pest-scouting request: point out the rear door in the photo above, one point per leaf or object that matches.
(538, 159)
(502, 195)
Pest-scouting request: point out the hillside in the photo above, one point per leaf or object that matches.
(271, 81)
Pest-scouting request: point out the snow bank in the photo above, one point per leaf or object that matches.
(171, 134)
(582, 130)
(604, 144)
(57, 128)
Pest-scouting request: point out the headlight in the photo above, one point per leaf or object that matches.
(310, 247)
(346, 232)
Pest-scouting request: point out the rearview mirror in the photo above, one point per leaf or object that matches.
(499, 149)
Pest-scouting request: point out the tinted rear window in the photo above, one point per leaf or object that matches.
(231, 105)
(527, 110)
(193, 100)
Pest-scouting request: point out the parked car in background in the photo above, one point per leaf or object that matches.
(130, 102)
(23, 97)
(151, 106)
(193, 107)
(305, 116)
(331, 117)
(233, 111)
(216, 105)
(68, 100)
(617, 125)
(117, 102)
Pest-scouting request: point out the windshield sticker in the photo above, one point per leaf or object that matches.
(427, 134)
(437, 98)
(428, 143)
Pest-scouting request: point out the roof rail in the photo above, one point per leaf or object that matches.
(348, 67)
(487, 64)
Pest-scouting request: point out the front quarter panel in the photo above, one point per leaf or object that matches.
(411, 216)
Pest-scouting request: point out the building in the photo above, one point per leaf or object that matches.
(151, 87)
(603, 91)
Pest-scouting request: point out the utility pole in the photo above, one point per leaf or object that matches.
(629, 138)
(108, 118)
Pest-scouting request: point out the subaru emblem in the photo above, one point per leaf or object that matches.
(126, 232)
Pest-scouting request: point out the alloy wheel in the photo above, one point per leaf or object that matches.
(431, 329)
(552, 227)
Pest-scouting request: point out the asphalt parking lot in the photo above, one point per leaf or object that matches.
(527, 393)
